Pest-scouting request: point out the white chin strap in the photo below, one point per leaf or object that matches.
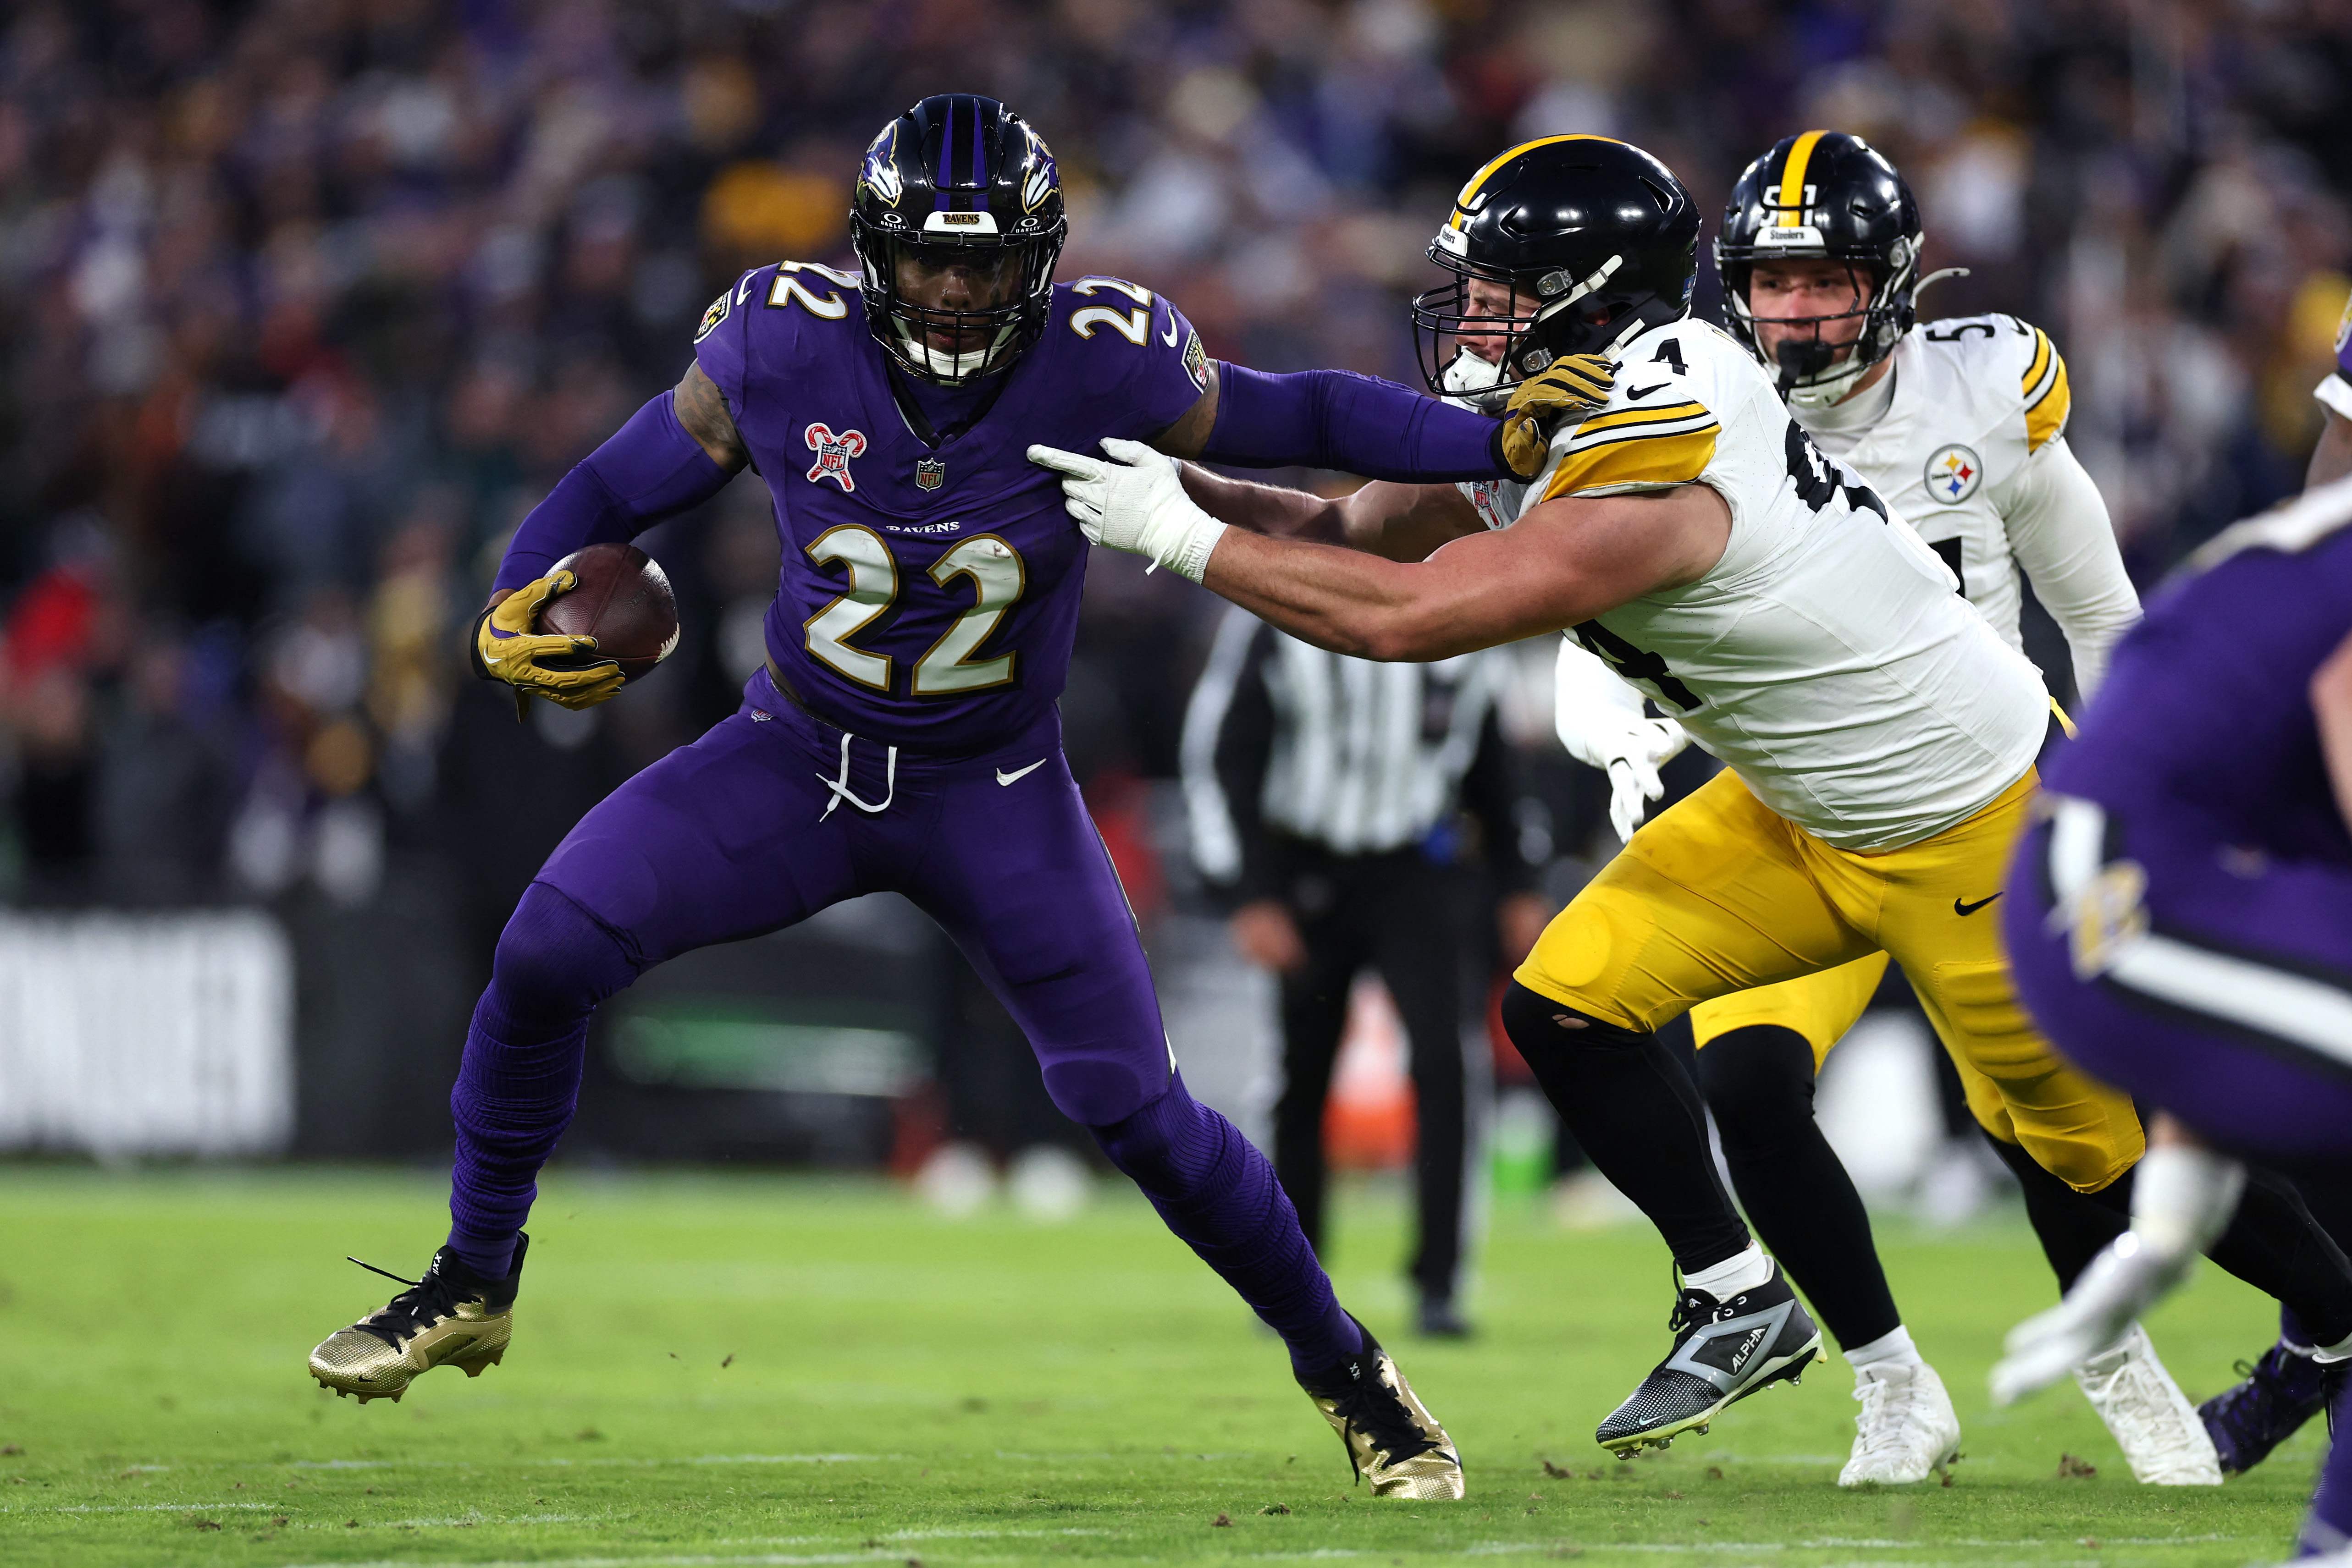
(949, 365)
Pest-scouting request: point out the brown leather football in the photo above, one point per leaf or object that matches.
(623, 600)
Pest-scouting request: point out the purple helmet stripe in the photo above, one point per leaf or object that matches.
(978, 156)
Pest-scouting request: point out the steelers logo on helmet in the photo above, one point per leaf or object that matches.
(958, 185)
(1823, 195)
(1566, 245)
(1953, 474)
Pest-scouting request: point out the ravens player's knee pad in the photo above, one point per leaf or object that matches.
(555, 963)
(1545, 1030)
(1759, 1082)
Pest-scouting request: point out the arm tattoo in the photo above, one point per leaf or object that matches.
(702, 409)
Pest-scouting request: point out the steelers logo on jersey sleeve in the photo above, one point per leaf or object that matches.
(1953, 474)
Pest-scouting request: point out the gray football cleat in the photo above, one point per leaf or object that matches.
(1723, 1352)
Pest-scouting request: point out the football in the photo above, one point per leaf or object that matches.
(623, 600)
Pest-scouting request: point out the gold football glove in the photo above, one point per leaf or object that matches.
(507, 649)
(1564, 392)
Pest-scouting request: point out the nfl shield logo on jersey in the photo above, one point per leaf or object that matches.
(1953, 475)
(931, 472)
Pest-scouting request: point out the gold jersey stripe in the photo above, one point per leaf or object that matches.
(2043, 350)
(2045, 416)
(1792, 180)
(1470, 191)
(1677, 459)
(1619, 418)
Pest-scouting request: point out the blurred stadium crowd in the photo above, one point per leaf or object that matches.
(304, 302)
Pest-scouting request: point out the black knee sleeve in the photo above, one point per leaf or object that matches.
(2073, 1227)
(1632, 1106)
(1758, 1082)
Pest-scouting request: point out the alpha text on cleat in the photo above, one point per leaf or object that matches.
(1724, 1351)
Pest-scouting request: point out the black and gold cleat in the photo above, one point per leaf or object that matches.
(1392, 1439)
(451, 1317)
(1724, 1351)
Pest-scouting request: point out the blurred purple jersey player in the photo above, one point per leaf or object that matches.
(904, 736)
(2181, 923)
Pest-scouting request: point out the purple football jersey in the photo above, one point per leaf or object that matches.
(2206, 703)
(930, 595)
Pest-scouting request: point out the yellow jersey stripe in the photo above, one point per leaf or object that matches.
(2043, 350)
(1635, 460)
(1617, 417)
(2045, 416)
(1792, 180)
(1470, 191)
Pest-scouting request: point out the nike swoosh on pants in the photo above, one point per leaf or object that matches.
(1019, 774)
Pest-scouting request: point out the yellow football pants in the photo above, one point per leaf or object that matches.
(1720, 896)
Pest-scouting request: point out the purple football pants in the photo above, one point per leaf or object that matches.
(2208, 981)
(772, 816)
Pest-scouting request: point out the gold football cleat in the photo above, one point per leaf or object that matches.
(451, 1317)
(1392, 1438)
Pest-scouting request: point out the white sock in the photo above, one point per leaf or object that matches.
(1891, 1349)
(1740, 1271)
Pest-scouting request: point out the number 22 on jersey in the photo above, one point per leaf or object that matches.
(947, 668)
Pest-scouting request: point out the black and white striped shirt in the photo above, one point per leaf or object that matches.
(1354, 756)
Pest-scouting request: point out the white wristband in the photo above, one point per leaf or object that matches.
(1189, 559)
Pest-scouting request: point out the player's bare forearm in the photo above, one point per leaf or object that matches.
(1263, 508)
(2332, 458)
(1401, 522)
(2331, 705)
(703, 413)
(1565, 562)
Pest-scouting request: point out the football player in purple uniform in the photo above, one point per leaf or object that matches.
(2181, 925)
(903, 735)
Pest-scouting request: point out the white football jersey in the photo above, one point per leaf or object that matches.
(1826, 658)
(1972, 398)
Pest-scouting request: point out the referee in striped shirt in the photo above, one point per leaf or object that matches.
(1329, 798)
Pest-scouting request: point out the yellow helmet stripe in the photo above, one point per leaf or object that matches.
(1470, 191)
(1792, 180)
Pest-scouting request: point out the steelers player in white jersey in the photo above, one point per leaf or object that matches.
(1960, 425)
(1880, 735)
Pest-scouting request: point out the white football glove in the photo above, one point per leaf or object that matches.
(1601, 722)
(1136, 503)
(2182, 1200)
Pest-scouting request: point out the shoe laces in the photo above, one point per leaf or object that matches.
(425, 1303)
(1371, 1406)
(1886, 1403)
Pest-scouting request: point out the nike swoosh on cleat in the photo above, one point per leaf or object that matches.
(1018, 775)
(1967, 909)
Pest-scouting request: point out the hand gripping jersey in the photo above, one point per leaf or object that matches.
(1826, 657)
(930, 593)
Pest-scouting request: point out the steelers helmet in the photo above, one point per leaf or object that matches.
(958, 174)
(1593, 239)
(1823, 195)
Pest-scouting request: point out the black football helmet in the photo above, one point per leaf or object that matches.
(1823, 194)
(1594, 240)
(954, 175)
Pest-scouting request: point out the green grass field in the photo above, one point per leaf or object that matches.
(755, 1370)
